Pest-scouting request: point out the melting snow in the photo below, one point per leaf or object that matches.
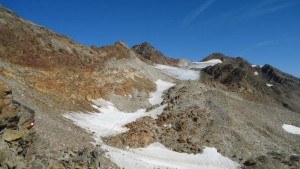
(187, 74)
(201, 65)
(158, 156)
(110, 121)
(291, 129)
(179, 73)
(161, 86)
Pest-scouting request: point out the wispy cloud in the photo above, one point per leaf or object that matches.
(257, 46)
(267, 7)
(266, 43)
(194, 14)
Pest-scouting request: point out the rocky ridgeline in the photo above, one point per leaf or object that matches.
(237, 74)
(280, 77)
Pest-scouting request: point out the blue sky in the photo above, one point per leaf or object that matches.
(262, 31)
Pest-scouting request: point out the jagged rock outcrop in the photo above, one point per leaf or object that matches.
(151, 55)
(274, 75)
(16, 122)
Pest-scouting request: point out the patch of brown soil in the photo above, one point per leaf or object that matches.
(141, 134)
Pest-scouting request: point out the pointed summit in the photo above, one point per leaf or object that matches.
(151, 55)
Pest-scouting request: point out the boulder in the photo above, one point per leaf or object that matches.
(11, 135)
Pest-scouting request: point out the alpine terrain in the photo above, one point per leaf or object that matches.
(67, 105)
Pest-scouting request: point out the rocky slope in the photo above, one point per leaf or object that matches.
(287, 87)
(237, 74)
(52, 74)
(21, 147)
(199, 116)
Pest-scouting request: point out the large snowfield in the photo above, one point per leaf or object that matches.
(202, 65)
(186, 73)
(291, 129)
(109, 121)
(179, 73)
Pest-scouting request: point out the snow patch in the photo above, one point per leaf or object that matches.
(168, 125)
(201, 65)
(109, 120)
(161, 86)
(255, 73)
(157, 155)
(291, 129)
(269, 85)
(186, 73)
(179, 73)
(254, 65)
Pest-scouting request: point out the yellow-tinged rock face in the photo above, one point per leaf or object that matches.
(1, 104)
(4, 89)
(11, 135)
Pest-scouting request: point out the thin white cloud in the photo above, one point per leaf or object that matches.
(268, 43)
(193, 15)
(257, 46)
(267, 7)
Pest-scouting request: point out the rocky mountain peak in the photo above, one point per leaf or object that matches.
(122, 43)
(220, 56)
(148, 51)
(277, 76)
(151, 55)
(146, 45)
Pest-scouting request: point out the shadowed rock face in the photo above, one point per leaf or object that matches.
(277, 76)
(237, 74)
(150, 55)
(287, 87)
